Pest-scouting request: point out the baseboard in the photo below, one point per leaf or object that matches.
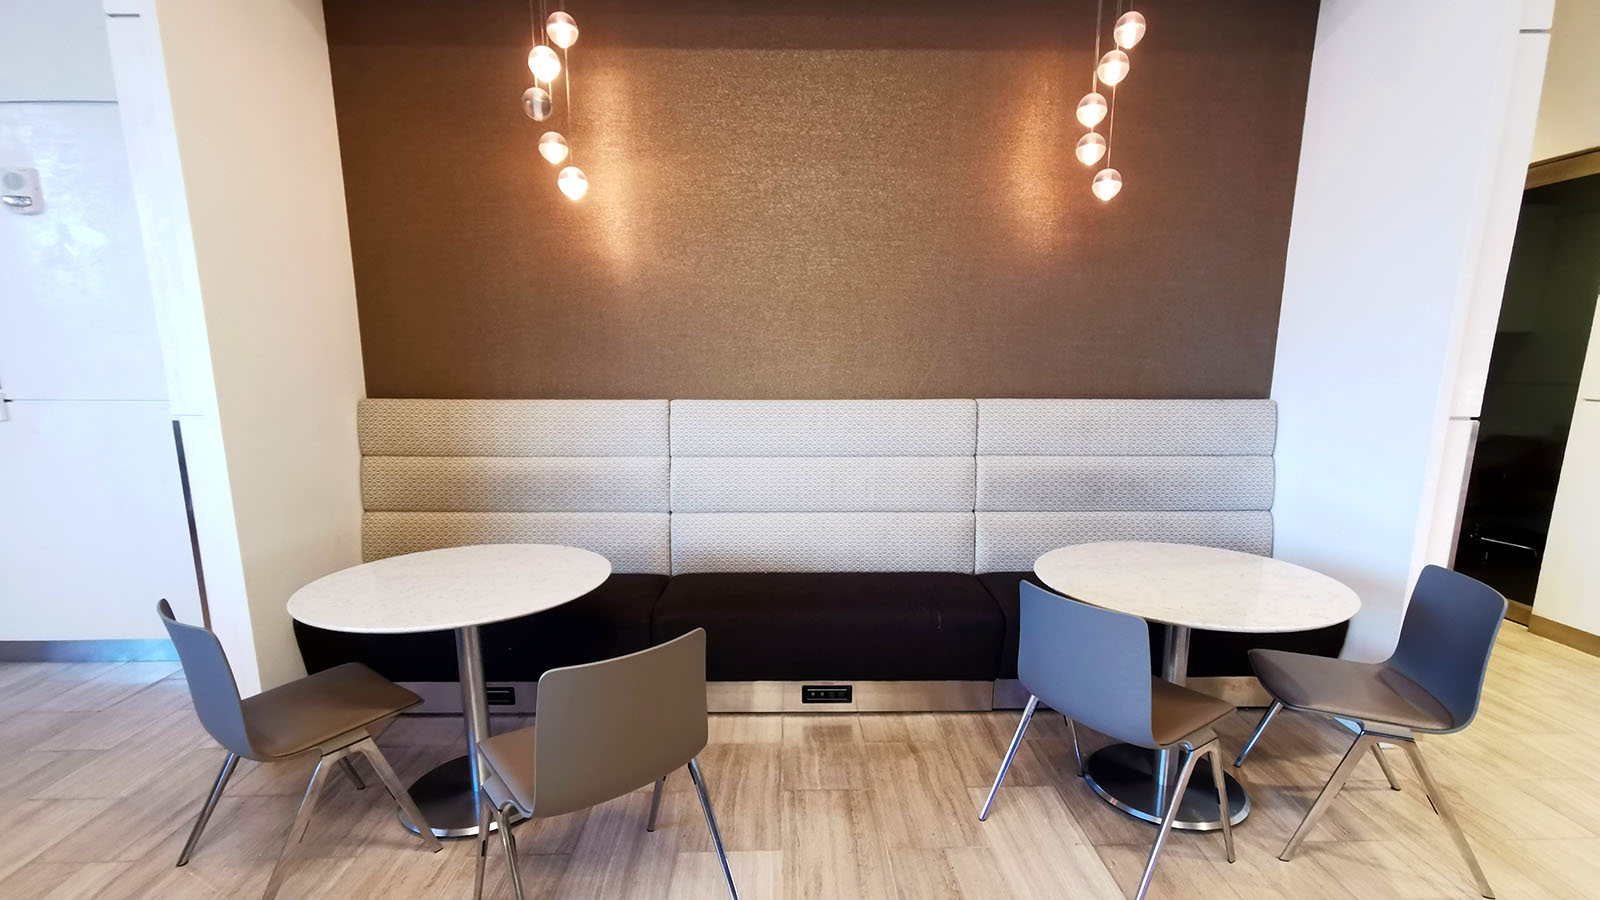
(151, 650)
(1575, 638)
(1518, 612)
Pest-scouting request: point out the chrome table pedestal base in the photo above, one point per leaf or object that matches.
(444, 796)
(1125, 776)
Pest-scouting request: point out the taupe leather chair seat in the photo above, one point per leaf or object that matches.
(1375, 691)
(300, 715)
(510, 756)
(1177, 712)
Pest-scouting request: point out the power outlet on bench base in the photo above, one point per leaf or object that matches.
(827, 693)
(500, 696)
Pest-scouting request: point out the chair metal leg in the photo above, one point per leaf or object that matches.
(1072, 728)
(1256, 735)
(1446, 815)
(368, 748)
(502, 819)
(711, 823)
(1184, 771)
(302, 819)
(209, 807)
(1222, 796)
(1329, 791)
(1383, 763)
(351, 773)
(484, 805)
(1005, 764)
(655, 803)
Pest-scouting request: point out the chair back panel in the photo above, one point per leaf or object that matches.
(609, 727)
(1089, 664)
(1449, 631)
(211, 686)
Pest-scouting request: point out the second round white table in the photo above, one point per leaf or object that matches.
(457, 588)
(1184, 587)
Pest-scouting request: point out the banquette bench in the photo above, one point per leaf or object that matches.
(875, 544)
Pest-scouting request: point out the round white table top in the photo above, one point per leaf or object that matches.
(1200, 587)
(451, 588)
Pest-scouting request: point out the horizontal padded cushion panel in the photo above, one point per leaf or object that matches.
(871, 626)
(823, 427)
(1212, 654)
(1012, 541)
(1062, 483)
(1127, 427)
(633, 542)
(822, 542)
(822, 484)
(405, 427)
(514, 484)
(611, 620)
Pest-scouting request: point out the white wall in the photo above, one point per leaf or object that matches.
(1405, 151)
(243, 94)
(1569, 110)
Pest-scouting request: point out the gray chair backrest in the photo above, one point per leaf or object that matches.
(609, 727)
(1449, 631)
(1091, 665)
(211, 686)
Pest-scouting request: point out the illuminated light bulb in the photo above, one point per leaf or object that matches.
(1107, 182)
(537, 104)
(1091, 147)
(553, 147)
(564, 32)
(545, 65)
(1129, 30)
(1092, 109)
(1113, 67)
(573, 182)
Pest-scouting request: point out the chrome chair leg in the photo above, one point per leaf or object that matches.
(484, 805)
(391, 782)
(1222, 796)
(655, 803)
(1446, 815)
(711, 823)
(1383, 763)
(1005, 764)
(1186, 770)
(1256, 735)
(302, 820)
(1072, 728)
(210, 806)
(1329, 791)
(351, 773)
(509, 843)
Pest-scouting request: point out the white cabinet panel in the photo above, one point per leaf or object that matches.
(93, 530)
(76, 319)
(55, 50)
(1569, 578)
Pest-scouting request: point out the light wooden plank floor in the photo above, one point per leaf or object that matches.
(102, 767)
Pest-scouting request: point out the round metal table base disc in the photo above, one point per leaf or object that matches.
(1124, 775)
(444, 796)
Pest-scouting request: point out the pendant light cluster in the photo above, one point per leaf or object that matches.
(539, 101)
(1110, 69)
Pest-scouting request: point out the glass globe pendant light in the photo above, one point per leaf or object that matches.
(1113, 67)
(1129, 30)
(1092, 109)
(537, 104)
(1107, 182)
(553, 147)
(544, 64)
(1091, 147)
(564, 32)
(573, 182)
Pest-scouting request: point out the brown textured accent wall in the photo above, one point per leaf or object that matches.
(819, 199)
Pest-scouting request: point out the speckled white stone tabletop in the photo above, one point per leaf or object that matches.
(451, 588)
(1201, 587)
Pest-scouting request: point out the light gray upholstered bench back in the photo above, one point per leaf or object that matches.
(794, 485)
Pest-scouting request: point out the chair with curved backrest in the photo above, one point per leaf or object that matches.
(602, 730)
(1431, 684)
(1092, 665)
(329, 712)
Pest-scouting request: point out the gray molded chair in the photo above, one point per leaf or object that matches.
(329, 712)
(1431, 684)
(603, 729)
(1092, 665)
